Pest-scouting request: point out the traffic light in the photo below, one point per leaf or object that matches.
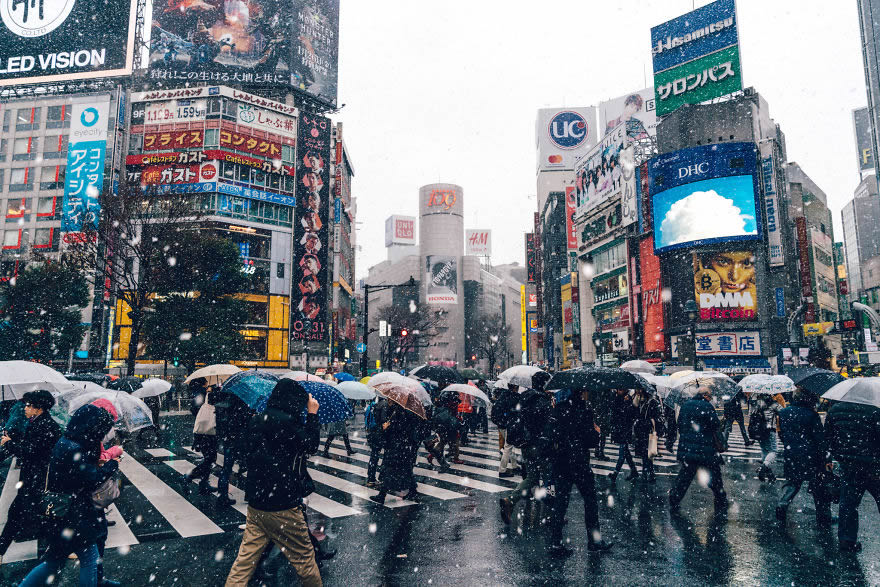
(473, 357)
(176, 361)
(404, 332)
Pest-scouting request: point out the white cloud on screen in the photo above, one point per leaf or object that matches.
(703, 215)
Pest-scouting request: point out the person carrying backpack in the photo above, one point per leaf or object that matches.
(502, 411)
(762, 427)
(374, 417)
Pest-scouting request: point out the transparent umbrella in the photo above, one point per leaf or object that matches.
(520, 375)
(133, 414)
(356, 390)
(214, 374)
(470, 390)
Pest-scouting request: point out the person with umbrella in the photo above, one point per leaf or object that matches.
(804, 458)
(334, 429)
(571, 432)
(623, 416)
(733, 413)
(698, 431)
(232, 415)
(852, 428)
(762, 423)
(33, 449)
(277, 481)
(649, 420)
(374, 417)
(204, 438)
(401, 436)
(502, 412)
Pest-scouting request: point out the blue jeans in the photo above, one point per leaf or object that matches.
(855, 481)
(51, 566)
(230, 457)
(769, 448)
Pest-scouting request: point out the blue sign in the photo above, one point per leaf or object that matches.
(226, 189)
(568, 130)
(738, 364)
(84, 177)
(780, 302)
(361, 347)
(704, 194)
(337, 211)
(700, 32)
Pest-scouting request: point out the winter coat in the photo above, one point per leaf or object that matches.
(853, 433)
(280, 443)
(804, 440)
(337, 428)
(602, 405)
(16, 421)
(623, 416)
(697, 426)
(379, 413)
(769, 408)
(34, 449)
(233, 418)
(569, 436)
(74, 470)
(649, 417)
(733, 408)
(203, 443)
(400, 439)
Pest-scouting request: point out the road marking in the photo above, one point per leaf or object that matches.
(183, 516)
(429, 490)
(159, 452)
(18, 551)
(354, 489)
(120, 534)
(185, 467)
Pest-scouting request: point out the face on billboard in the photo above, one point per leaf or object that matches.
(725, 285)
(636, 110)
(600, 174)
(442, 279)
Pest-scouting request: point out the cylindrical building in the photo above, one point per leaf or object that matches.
(441, 245)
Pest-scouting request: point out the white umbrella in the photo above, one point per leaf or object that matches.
(685, 387)
(520, 375)
(470, 390)
(862, 390)
(87, 386)
(356, 390)
(764, 384)
(152, 387)
(411, 385)
(639, 366)
(303, 376)
(19, 377)
(388, 377)
(214, 373)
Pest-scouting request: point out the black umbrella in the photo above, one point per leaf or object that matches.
(598, 379)
(126, 384)
(439, 373)
(813, 379)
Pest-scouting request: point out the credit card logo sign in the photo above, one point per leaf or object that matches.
(568, 130)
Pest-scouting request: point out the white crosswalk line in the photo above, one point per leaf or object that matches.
(328, 507)
(18, 551)
(184, 467)
(159, 452)
(354, 489)
(184, 517)
(429, 490)
(119, 534)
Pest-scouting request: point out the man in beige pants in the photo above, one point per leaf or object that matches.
(276, 484)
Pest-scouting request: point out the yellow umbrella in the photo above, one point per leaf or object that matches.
(365, 379)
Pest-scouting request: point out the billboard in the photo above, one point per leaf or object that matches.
(478, 242)
(652, 297)
(704, 194)
(571, 235)
(730, 343)
(599, 173)
(563, 135)
(725, 286)
(400, 230)
(84, 178)
(696, 56)
(864, 141)
(311, 234)
(771, 206)
(637, 110)
(531, 258)
(441, 273)
(64, 40)
(258, 42)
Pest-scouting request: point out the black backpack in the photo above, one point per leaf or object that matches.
(758, 429)
(525, 425)
(503, 409)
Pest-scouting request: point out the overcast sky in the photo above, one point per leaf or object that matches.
(448, 91)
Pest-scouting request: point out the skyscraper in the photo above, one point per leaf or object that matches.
(869, 25)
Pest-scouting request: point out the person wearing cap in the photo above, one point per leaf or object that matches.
(33, 449)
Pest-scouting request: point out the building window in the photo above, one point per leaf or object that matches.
(12, 239)
(43, 238)
(24, 149)
(46, 207)
(228, 171)
(212, 137)
(55, 147)
(279, 271)
(287, 153)
(52, 178)
(214, 107)
(27, 119)
(136, 144)
(58, 116)
(3, 145)
(16, 207)
(243, 174)
(7, 116)
(20, 179)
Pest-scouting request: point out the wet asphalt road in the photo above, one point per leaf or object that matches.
(462, 541)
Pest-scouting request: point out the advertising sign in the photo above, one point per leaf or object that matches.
(533, 300)
(652, 297)
(400, 230)
(804, 269)
(522, 317)
(739, 344)
(266, 120)
(175, 111)
(771, 206)
(570, 211)
(637, 110)
(704, 194)
(531, 258)
(84, 178)
(725, 286)
(311, 233)
(779, 296)
(599, 174)
(174, 139)
(173, 174)
(864, 142)
(706, 78)
(478, 242)
(65, 40)
(599, 226)
(441, 279)
(564, 134)
(280, 42)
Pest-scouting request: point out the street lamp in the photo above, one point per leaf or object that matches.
(690, 308)
(367, 330)
(597, 341)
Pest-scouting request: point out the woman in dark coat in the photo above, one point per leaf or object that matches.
(75, 470)
(401, 438)
(623, 416)
(649, 419)
(203, 443)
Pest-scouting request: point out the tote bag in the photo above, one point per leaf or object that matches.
(206, 420)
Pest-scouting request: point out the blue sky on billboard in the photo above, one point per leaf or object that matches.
(699, 32)
(722, 208)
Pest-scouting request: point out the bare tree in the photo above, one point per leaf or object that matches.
(129, 249)
(487, 336)
(420, 324)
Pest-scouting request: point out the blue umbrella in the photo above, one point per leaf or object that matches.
(333, 405)
(343, 376)
(252, 387)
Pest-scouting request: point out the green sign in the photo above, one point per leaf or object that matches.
(714, 75)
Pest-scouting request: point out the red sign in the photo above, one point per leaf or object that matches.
(444, 198)
(404, 229)
(262, 165)
(652, 298)
(570, 208)
(250, 144)
(806, 278)
(208, 171)
(179, 139)
(167, 158)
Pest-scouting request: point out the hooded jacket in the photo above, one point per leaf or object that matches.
(804, 440)
(569, 435)
(853, 431)
(280, 442)
(34, 449)
(74, 470)
(697, 425)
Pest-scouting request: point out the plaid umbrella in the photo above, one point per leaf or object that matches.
(333, 407)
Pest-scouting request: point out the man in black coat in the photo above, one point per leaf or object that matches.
(804, 457)
(623, 416)
(698, 427)
(733, 413)
(277, 483)
(571, 432)
(233, 417)
(853, 432)
(33, 449)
